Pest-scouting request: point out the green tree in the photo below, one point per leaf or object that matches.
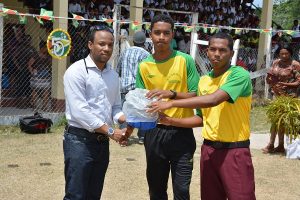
(285, 12)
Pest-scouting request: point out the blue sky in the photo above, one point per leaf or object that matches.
(258, 2)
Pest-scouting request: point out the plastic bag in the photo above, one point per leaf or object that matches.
(293, 148)
(135, 108)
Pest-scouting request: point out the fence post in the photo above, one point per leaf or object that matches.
(266, 23)
(194, 35)
(236, 51)
(268, 61)
(1, 50)
(117, 34)
(59, 67)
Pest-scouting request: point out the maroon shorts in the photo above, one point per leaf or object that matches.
(226, 173)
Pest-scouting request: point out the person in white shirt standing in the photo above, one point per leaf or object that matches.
(92, 99)
(74, 7)
(296, 27)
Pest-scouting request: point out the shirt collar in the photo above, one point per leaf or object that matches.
(90, 64)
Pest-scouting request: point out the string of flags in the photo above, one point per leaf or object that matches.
(134, 25)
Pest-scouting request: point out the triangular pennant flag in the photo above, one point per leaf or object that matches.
(135, 25)
(197, 28)
(92, 20)
(205, 28)
(77, 17)
(9, 11)
(2, 13)
(213, 30)
(39, 19)
(46, 14)
(109, 21)
(238, 31)
(75, 23)
(147, 26)
(290, 32)
(22, 19)
(188, 28)
(266, 31)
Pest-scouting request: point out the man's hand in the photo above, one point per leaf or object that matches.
(122, 119)
(165, 119)
(159, 106)
(128, 131)
(123, 142)
(159, 94)
(118, 134)
(126, 134)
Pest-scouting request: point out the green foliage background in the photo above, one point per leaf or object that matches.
(285, 12)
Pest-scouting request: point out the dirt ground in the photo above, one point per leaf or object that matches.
(31, 168)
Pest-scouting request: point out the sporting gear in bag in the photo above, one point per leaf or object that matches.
(35, 124)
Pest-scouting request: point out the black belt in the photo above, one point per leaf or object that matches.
(170, 127)
(85, 133)
(227, 145)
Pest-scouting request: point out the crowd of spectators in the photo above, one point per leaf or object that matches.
(234, 13)
(222, 13)
(219, 12)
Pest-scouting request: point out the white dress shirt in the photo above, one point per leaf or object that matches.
(74, 8)
(92, 96)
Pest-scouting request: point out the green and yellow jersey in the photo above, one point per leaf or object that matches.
(175, 73)
(230, 120)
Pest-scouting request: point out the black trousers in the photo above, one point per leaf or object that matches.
(169, 148)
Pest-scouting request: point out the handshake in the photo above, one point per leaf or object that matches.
(121, 135)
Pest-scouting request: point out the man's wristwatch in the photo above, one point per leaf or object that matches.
(110, 131)
(174, 94)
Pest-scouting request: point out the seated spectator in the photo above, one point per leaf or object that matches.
(105, 4)
(83, 6)
(40, 68)
(92, 14)
(79, 50)
(74, 6)
(92, 4)
(184, 45)
(241, 63)
(296, 27)
(21, 49)
(105, 14)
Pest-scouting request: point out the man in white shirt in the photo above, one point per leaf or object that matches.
(92, 103)
(74, 7)
(184, 45)
(296, 27)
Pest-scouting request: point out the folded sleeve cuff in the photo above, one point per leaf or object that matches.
(117, 116)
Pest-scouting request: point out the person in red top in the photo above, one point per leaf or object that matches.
(241, 63)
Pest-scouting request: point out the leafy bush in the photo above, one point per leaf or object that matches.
(284, 114)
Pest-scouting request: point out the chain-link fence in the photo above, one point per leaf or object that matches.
(247, 58)
(27, 71)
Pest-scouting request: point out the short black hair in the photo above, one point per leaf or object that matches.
(224, 36)
(103, 27)
(287, 47)
(162, 18)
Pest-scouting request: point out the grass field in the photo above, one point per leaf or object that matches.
(31, 168)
